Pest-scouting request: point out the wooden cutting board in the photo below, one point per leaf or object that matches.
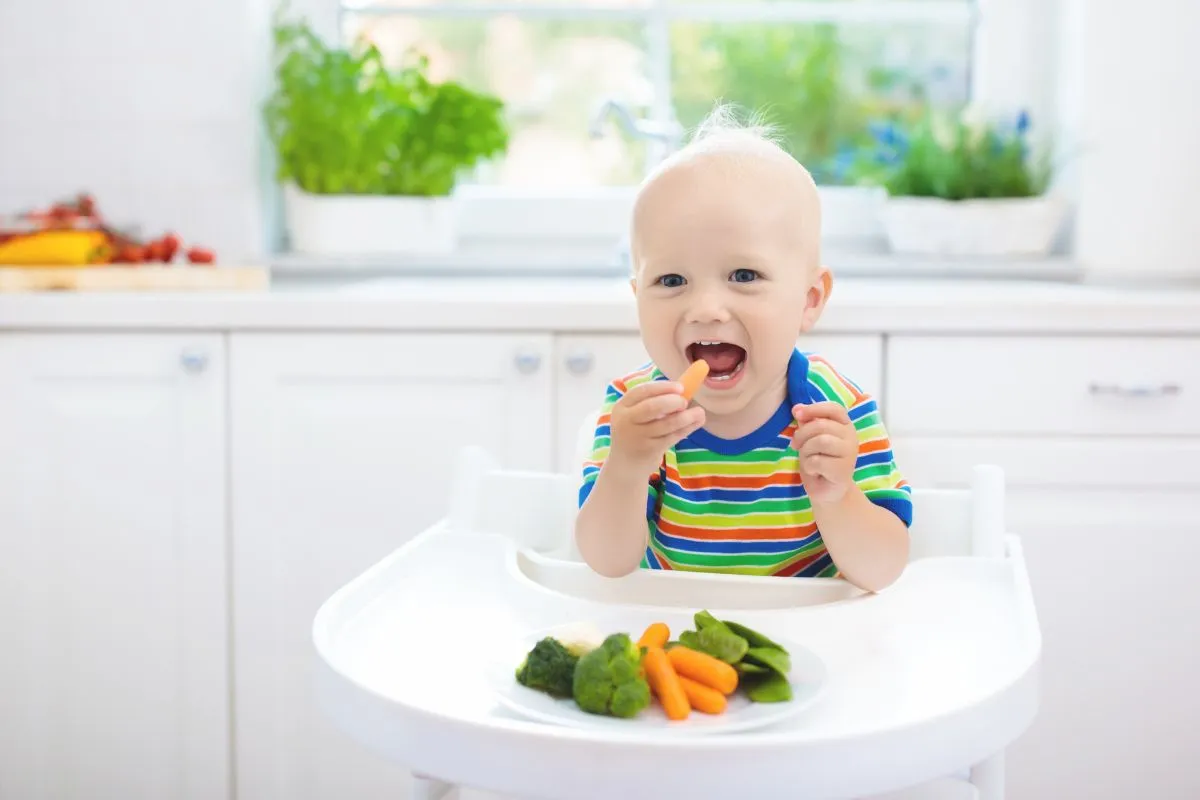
(134, 277)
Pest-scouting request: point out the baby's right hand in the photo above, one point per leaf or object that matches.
(647, 421)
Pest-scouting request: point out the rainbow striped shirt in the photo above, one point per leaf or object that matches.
(739, 505)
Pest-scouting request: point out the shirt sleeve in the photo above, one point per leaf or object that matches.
(601, 443)
(875, 469)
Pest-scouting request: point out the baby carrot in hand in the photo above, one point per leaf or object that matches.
(665, 684)
(655, 636)
(692, 377)
(702, 698)
(703, 668)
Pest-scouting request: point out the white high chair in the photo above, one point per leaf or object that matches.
(537, 510)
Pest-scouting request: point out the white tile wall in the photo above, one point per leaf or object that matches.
(150, 105)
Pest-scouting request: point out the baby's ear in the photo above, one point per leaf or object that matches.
(815, 298)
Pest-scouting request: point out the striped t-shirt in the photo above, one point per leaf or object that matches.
(739, 505)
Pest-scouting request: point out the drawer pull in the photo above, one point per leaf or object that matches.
(1116, 390)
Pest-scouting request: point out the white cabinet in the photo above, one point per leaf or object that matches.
(586, 364)
(1097, 438)
(113, 593)
(343, 446)
(1113, 572)
(116, 579)
(1111, 540)
(1052, 386)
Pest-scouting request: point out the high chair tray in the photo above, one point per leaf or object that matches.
(935, 673)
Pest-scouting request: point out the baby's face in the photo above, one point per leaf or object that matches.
(726, 258)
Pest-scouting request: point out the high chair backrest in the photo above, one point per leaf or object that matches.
(946, 522)
(535, 509)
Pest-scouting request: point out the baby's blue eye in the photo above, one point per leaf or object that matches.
(743, 275)
(671, 281)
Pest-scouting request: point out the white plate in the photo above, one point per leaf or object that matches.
(808, 678)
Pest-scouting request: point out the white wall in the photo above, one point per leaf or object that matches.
(1130, 108)
(150, 105)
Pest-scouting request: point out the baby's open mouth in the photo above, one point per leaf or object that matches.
(725, 360)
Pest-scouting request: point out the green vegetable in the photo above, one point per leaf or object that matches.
(747, 668)
(753, 637)
(342, 122)
(715, 638)
(722, 643)
(549, 667)
(762, 663)
(771, 658)
(609, 680)
(769, 688)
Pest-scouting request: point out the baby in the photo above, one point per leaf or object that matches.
(782, 465)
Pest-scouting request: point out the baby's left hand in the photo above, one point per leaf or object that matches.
(827, 445)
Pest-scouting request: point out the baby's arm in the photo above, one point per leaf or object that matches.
(860, 503)
(612, 528)
(633, 432)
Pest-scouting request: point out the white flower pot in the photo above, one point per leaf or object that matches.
(1001, 227)
(369, 224)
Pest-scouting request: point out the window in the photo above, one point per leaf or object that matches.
(819, 70)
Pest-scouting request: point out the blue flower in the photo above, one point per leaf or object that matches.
(1022, 123)
(842, 163)
(887, 134)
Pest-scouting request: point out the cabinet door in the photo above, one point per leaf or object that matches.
(1114, 579)
(585, 364)
(1111, 541)
(343, 448)
(113, 613)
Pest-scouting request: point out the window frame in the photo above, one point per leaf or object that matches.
(1012, 52)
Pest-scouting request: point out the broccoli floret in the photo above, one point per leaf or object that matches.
(549, 667)
(609, 679)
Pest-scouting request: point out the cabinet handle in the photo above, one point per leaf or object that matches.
(1116, 390)
(528, 362)
(193, 361)
(580, 363)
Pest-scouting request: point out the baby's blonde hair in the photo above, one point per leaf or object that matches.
(724, 131)
(733, 144)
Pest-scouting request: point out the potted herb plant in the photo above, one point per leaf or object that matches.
(369, 157)
(961, 187)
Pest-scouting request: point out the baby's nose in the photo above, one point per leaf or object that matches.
(708, 307)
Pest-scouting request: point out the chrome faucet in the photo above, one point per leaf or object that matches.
(665, 135)
(662, 139)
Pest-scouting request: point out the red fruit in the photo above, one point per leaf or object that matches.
(200, 255)
(170, 246)
(134, 255)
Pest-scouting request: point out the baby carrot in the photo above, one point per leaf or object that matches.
(665, 683)
(702, 698)
(703, 668)
(692, 377)
(655, 636)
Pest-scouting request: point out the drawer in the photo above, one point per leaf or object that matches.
(1106, 464)
(1013, 385)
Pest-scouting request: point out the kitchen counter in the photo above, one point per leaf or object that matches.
(606, 305)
